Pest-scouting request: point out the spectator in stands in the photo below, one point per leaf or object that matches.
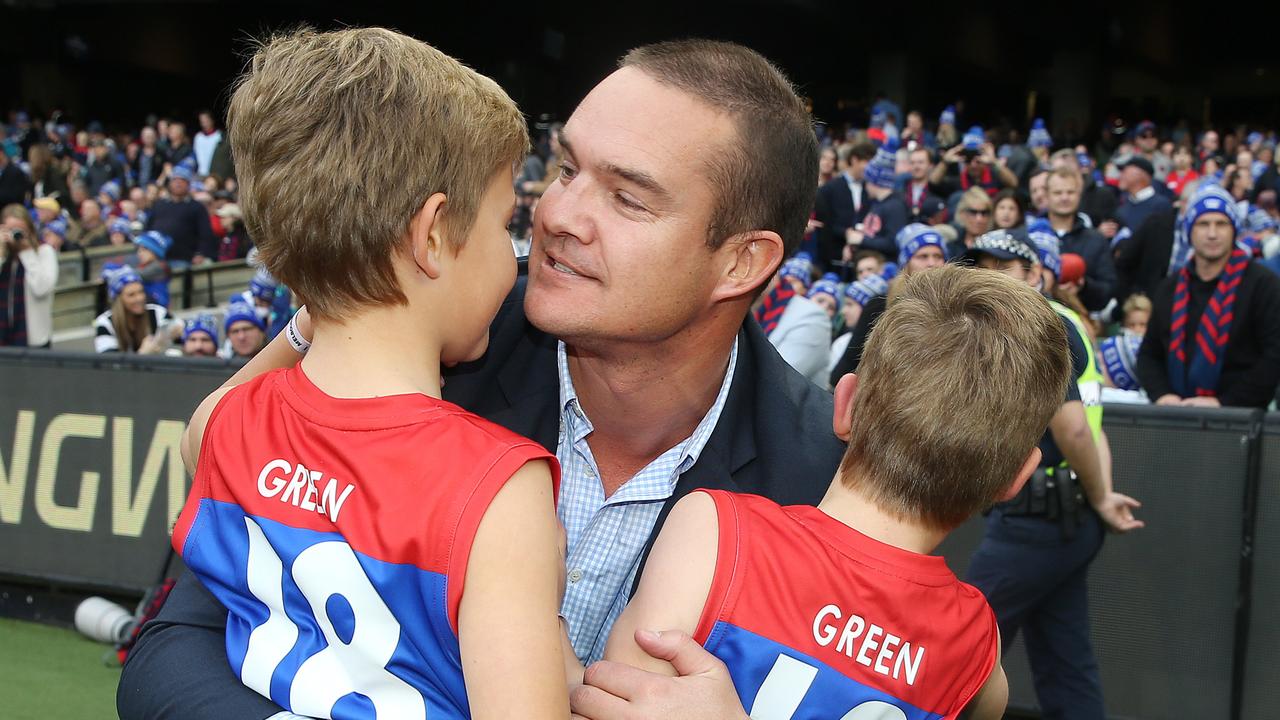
(1118, 360)
(1137, 314)
(92, 229)
(131, 325)
(14, 185)
(109, 197)
(48, 175)
(149, 263)
(28, 274)
(796, 326)
(947, 134)
(551, 165)
(886, 210)
(1010, 213)
(47, 210)
(1238, 182)
(200, 337)
(1141, 199)
(179, 147)
(1214, 337)
(915, 132)
(148, 164)
(186, 221)
(102, 166)
(972, 163)
(856, 296)
(1095, 288)
(825, 293)
(1146, 143)
(1182, 171)
(206, 141)
(920, 248)
(246, 333)
(917, 189)
(54, 234)
(235, 243)
(1037, 188)
(840, 205)
(827, 162)
(867, 263)
(974, 216)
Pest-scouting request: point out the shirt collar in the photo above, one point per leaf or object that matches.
(692, 445)
(1143, 194)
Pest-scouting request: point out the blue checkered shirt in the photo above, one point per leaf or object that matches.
(607, 535)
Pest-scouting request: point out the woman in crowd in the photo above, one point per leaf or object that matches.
(973, 215)
(1010, 210)
(132, 325)
(28, 274)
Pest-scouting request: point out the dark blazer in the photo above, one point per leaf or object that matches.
(773, 438)
(834, 208)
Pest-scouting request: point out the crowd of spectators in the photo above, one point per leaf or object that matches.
(165, 199)
(889, 189)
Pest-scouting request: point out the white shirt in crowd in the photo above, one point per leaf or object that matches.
(40, 271)
(204, 146)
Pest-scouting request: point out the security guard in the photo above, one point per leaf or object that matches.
(1034, 559)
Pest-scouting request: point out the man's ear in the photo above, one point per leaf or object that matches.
(842, 416)
(750, 259)
(1024, 474)
(426, 236)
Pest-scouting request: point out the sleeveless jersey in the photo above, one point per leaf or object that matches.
(336, 532)
(816, 620)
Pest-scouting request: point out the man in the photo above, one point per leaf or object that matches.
(1214, 335)
(149, 161)
(178, 147)
(917, 188)
(1097, 200)
(1147, 144)
(207, 140)
(915, 131)
(186, 221)
(1209, 145)
(15, 186)
(92, 230)
(1034, 559)
(1095, 288)
(1038, 188)
(200, 337)
(887, 212)
(103, 167)
(626, 351)
(246, 332)
(840, 205)
(972, 163)
(1141, 200)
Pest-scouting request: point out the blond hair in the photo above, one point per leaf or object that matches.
(1136, 302)
(956, 386)
(340, 137)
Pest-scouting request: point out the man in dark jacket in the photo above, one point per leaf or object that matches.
(1096, 287)
(185, 220)
(566, 330)
(1214, 335)
(841, 205)
(1142, 260)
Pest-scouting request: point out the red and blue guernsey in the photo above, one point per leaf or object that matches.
(336, 532)
(816, 620)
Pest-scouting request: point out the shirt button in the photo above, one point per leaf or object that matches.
(590, 472)
(575, 575)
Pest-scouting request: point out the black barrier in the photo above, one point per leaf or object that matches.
(91, 476)
(1261, 677)
(1163, 600)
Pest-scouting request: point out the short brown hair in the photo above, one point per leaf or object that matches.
(764, 180)
(340, 137)
(1065, 174)
(955, 387)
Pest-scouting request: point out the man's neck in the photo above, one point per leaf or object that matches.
(854, 509)
(1062, 223)
(1208, 270)
(394, 353)
(1142, 193)
(644, 398)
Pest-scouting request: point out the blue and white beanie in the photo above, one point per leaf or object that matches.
(1210, 199)
(182, 172)
(238, 311)
(118, 277)
(120, 225)
(798, 267)
(862, 291)
(973, 138)
(879, 118)
(828, 284)
(882, 170)
(111, 189)
(1046, 243)
(948, 116)
(202, 323)
(914, 238)
(1039, 136)
(1254, 138)
(1260, 221)
(1120, 356)
(57, 226)
(157, 242)
(262, 286)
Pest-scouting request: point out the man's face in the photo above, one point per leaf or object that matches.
(919, 165)
(148, 136)
(619, 247)
(926, 258)
(976, 218)
(179, 187)
(90, 213)
(246, 338)
(915, 121)
(1210, 141)
(868, 266)
(1064, 196)
(206, 122)
(1040, 192)
(199, 344)
(1133, 179)
(858, 168)
(100, 152)
(1212, 237)
(1181, 159)
(1147, 141)
(826, 302)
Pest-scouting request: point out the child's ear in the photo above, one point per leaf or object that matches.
(842, 416)
(426, 236)
(1024, 474)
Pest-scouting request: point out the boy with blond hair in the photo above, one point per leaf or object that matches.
(380, 551)
(839, 610)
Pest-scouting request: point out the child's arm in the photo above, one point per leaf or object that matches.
(989, 703)
(277, 354)
(508, 626)
(675, 584)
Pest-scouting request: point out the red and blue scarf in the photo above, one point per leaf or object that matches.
(1199, 376)
(775, 303)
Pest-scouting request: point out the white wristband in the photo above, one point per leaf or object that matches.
(294, 336)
